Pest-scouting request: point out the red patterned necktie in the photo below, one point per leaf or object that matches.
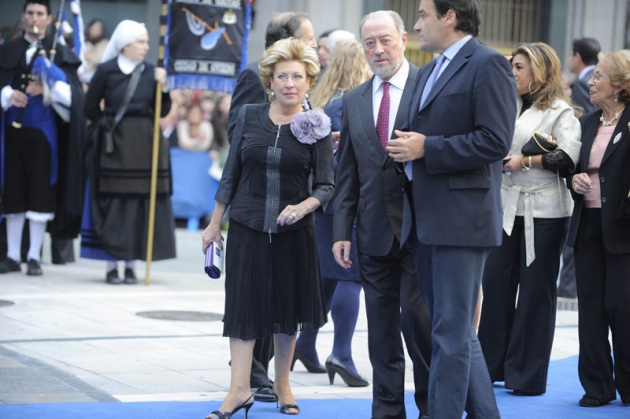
(382, 120)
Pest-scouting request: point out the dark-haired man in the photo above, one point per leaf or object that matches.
(249, 88)
(461, 122)
(42, 132)
(582, 62)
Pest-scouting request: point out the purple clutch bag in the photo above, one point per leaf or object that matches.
(214, 261)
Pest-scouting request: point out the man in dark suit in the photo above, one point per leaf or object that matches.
(461, 122)
(249, 89)
(369, 187)
(582, 62)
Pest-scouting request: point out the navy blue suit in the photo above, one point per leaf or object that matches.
(453, 215)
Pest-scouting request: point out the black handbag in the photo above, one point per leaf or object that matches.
(539, 143)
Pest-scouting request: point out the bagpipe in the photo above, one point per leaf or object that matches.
(41, 67)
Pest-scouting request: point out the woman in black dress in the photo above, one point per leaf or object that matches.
(279, 170)
(117, 204)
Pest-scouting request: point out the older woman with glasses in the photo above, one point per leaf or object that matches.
(600, 234)
(279, 170)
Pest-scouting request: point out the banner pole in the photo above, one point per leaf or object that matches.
(156, 152)
(154, 167)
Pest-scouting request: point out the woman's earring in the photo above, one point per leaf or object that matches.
(616, 97)
(529, 87)
(273, 95)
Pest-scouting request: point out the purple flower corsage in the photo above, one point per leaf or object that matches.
(310, 126)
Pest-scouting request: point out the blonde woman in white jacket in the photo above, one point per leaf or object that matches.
(519, 283)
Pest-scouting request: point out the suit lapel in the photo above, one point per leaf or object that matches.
(621, 130)
(407, 97)
(367, 116)
(460, 59)
(421, 81)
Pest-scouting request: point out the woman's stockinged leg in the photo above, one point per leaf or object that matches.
(345, 311)
(284, 345)
(241, 353)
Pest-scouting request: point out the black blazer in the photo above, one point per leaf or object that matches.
(369, 185)
(248, 89)
(614, 177)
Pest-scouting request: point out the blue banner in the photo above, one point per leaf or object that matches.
(204, 43)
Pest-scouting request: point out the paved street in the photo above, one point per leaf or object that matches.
(70, 337)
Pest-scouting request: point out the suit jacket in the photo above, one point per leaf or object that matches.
(468, 119)
(614, 176)
(369, 185)
(249, 89)
(580, 94)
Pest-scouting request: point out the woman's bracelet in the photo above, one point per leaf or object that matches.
(525, 168)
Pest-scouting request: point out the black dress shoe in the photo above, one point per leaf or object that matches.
(9, 265)
(590, 402)
(112, 277)
(625, 398)
(33, 268)
(526, 393)
(308, 364)
(264, 394)
(130, 276)
(334, 366)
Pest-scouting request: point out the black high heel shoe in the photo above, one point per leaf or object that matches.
(310, 366)
(285, 409)
(334, 366)
(227, 415)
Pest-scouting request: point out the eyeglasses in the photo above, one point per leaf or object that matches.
(597, 76)
(284, 78)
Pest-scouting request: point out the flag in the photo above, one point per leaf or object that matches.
(77, 23)
(61, 27)
(204, 45)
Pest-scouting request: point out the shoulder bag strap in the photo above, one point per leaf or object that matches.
(131, 88)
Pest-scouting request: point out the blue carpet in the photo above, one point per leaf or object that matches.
(563, 393)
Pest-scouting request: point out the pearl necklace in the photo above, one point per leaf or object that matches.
(612, 120)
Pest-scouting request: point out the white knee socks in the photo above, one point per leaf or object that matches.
(15, 226)
(37, 230)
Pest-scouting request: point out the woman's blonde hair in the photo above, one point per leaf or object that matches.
(348, 68)
(616, 65)
(288, 50)
(547, 71)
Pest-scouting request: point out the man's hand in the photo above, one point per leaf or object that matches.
(341, 251)
(19, 99)
(407, 147)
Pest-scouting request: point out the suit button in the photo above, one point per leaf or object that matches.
(603, 200)
(602, 179)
